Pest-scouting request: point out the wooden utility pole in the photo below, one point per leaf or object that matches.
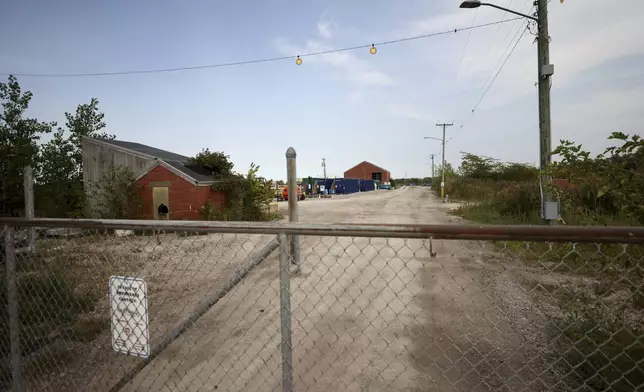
(546, 70)
(444, 126)
(432, 167)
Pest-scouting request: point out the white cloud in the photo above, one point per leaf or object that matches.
(350, 67)
(591, 119)
(409, 112)
(354, 97)
(609, 104)
(584, 35)
(324, 29)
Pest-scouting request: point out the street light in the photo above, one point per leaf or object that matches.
(549, 209)
(470, 4)
(476, 4)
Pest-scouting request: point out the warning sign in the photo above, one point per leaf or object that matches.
(129, 305)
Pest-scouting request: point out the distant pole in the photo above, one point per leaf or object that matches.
(443, 125)
(29, 206)
(324, 167)
(432, 167)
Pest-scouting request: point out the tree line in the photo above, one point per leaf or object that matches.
(57, 163)
(600, 189)
(58, 168)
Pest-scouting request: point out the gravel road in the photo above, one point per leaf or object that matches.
(368, 315)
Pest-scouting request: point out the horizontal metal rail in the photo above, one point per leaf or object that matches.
(622, 234)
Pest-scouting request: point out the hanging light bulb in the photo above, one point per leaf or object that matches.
(298, 61)
(373, 49)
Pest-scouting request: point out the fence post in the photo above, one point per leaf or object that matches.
(285, 313)
(291, 179)
(12, 307)
(29, 206)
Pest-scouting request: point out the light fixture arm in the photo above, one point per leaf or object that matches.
(511, 11)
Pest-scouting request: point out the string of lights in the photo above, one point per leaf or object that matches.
(297, 57)
(516, 43)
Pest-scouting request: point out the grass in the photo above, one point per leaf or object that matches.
(61, 294)
(597, 331)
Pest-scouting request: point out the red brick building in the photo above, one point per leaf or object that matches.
(368, 171)
(164, 177)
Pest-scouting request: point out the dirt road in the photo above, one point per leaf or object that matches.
(368, 315)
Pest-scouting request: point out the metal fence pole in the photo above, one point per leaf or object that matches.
(285, 313)
(29, 206)
(12, 305)
(291, 177)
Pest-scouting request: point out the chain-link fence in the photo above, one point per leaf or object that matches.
(187, 306)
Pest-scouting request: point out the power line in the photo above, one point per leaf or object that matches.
(256, 61)
(460, 61)
(491, 83)
(509, 44)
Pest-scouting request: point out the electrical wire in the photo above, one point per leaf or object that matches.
(490, 84)
(507, 47)
(460, 61)
(498, 28)
(256, 61)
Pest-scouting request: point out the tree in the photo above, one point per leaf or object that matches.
(60, 191)
(449, 171)
(246, 195)
(212, 163)
(18, 144)
(606, 186)
(477, 167)
(115, 195)
(87, 121)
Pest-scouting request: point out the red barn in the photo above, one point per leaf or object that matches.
(368, 171)
(163, 176)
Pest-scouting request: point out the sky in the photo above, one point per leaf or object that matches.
(346, 107)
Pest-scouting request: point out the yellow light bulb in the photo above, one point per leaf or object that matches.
(373, 49)
(298, 61)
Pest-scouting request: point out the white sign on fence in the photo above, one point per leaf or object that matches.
(129, 305)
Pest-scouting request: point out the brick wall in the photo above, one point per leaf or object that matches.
(185, 198)
(363, 171)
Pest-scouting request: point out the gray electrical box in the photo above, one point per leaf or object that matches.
(551, 210)
(547, 70)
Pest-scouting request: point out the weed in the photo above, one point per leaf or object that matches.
(61, 291)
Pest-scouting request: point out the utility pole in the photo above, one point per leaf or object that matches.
(324, 167)
(432, 167)
(443, 125)
(546, 70)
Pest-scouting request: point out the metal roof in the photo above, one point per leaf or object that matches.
(176, 161)
(143, 149)
(189, 172)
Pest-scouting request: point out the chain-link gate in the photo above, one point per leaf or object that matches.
(360, 308)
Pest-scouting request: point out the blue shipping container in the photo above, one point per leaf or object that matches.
(367, 185)
(321, 182)
(328, 182)
(347, 185)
